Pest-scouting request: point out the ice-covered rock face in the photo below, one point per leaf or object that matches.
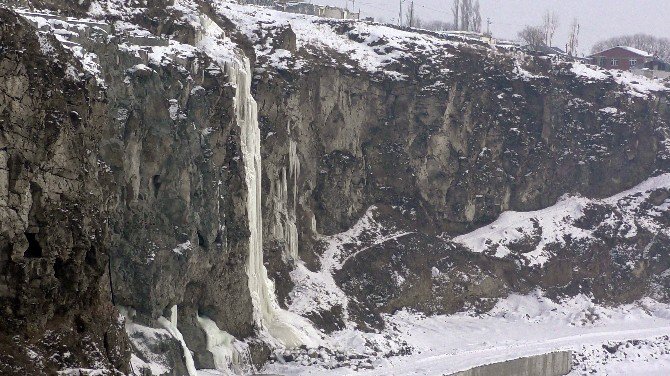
(450, 134)
(337, 167)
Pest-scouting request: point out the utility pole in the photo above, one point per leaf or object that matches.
(488, 25)
(400, 15)
(411, 14)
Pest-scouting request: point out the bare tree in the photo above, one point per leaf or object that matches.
(455, 9)
(418, 23)
(438, 25)
(573, 39)
(549, 26)
(659, 47)
(466, 15)
(533, 35)
(411, 18)
(476, 18)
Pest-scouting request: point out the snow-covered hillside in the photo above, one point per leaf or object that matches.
(383, 50)
(625, 214)
(633, 336)
(340, 197)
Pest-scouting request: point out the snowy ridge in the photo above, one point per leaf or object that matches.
(380, 49)
(637, 86)
(551, 225)
(372, 47)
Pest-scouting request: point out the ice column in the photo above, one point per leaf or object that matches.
(289, 329)
(171, 327)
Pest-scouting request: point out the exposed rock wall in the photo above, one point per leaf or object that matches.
(552, 364)
(53, 242)
(460, 157)
(451, 160)
(166, 216)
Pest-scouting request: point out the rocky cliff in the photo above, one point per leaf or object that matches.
(53, 237)
(372, 134)
(158, 156)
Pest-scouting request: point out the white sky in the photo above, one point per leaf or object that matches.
(599, 19)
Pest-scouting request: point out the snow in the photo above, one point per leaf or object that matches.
(64, 30)
(609, 110)
(590, 72)
(524, 74)
(518, 326)
(636, 51)
(639, 86)
(180, 249)
(317, 291)
(114, 8)
(372, 47)
(551, 225)
(649, 356)
(635, 85)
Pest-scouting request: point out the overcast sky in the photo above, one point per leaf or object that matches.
(599, 19)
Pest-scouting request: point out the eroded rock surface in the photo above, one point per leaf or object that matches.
(384, 166)
(53, 241)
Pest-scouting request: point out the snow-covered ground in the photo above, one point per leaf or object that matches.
(626, 340)
(552, 224)
(518, 326)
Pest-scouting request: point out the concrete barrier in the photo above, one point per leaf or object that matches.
(552, 364)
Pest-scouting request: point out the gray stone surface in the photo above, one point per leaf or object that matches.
(552, 364)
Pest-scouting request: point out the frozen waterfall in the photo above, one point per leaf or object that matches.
(284, 327)
(171, 326)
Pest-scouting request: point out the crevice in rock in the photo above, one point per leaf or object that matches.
(201, 240)
(34, 249)
(156, 180)
(91, 257)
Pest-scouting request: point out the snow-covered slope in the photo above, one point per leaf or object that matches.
(553, 226)
(516, 327)
(383, 50)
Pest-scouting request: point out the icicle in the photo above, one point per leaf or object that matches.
(292, 228)
(289, 329)
(171, 326)
(221, 345)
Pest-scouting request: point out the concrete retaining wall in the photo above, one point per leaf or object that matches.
(552, 364)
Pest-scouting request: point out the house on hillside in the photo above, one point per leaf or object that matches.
(316, 10)
(655, 68)
(545, 50)
(621, 57)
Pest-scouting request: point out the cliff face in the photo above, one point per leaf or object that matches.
(165, 218)
(132, 174)
(400, 158)
(53, 239)
(451, 161)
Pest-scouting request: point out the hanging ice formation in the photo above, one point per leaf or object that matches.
(286, 328)
(171, 326)
(284, 196)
